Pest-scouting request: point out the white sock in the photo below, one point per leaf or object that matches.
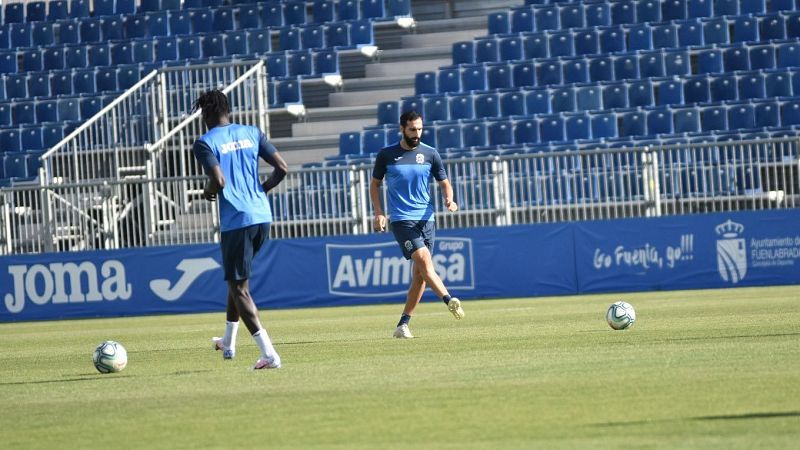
(229, 339)
(267, 350)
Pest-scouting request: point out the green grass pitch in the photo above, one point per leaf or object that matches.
(699, 369)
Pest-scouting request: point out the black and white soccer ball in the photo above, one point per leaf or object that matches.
(620, 315)
(110, 356)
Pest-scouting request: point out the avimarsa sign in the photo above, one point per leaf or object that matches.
(379, 270)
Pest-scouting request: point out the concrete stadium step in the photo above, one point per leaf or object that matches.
(377, 83)
(429, 10)
(300, 150)
(322, 121)
(368, 97)
(440, 39)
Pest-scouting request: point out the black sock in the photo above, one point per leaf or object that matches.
(404, 319)
(446, 299)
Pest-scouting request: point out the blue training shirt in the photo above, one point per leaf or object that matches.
(408, 175)
(236, 149)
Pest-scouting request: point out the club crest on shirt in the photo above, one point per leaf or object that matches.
(420, 158)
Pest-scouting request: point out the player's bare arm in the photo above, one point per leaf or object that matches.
(447, 192)
(214, 184)
(279, 171)
(379, 221)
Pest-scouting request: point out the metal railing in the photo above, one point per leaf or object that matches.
(494, 190)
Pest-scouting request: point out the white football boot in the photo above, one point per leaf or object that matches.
(454, 305)
(402, 332)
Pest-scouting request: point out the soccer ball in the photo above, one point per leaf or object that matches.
(110, 357)
(620, 315)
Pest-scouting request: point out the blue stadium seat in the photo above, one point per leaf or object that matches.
(425, 83)
(10, 141)
(83, 82)
(288, 91)
(42, 33)
(522, 20)
(5, 117)
(604, 125)
(224, 19)
(687, 120)
(112, 28)
(777, 83)
(700, 8)
(79, 8)
(640, 93)
(736, 58)
(723, 87)
(486, 105)
(236, 43)
(788, 55)
(563, 99)
(499, 23)
(89, 106)
(651, 64)
(449, 80)
(16, 86)
(20, 34)
(640, 37)
(277, 65)
(398, 8)
(289, 39)
(696, 89)
(665, 36)
(473, 78)
(461, 107)
(372, 9)
(500, 132)
(526, 131)
(411, 104)
(512, 103)
(473, 133)
(361, 33)
(180, 23)
(677, 63)
(202, 21)
(648, 11)
(586, 42)
(612, 40)
(106, 79)
(560, 43)
(715, 31)
(14, 13)
(622, 12)
(121, 53)
(713, 118)
(597, 14)
(511, 48)
(326, 62)
(537, 101)
(741, 116)
(435, 108)
(91, 31)
(104, 7)
(350, 143)
(347, 10)
(588, 97)
(601, 69)
(150, 5)
(498, 76)
(271, 15)
(60, 83)
(745, 29)
(32, 60)
(53, 58)
(448, 136)
(572, 16)
(23, 113)
(709, 61)
(46, 111)
(546, 17)
(250, 17)
(52, 134)
(212, 45)
(793, 25)
(673, 10)
(551, 128)
(575, 70)
(32, 139)
(166, 49)
(372, 141)
(690, 32)
(16, 165)
(463, 52)
(615, 95)
(323, 11)
(781, 5)
(127, 76)
(771, 27)
(633, 123)
(57, 10)
(752, 86)
(486, 50)
(790, 113)
(259, 41)
(535, 45)
(626, 67)
(338, 35)
(313, 36)
(143, 51)
(75, 57)
(68, 33)
(762, 57)
(548, 73)
(388, 113)
(767, 114)
(136, 26)
(577, 126)
(189, 48)
(523, 74)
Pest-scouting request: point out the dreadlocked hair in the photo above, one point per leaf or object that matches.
(212, 103)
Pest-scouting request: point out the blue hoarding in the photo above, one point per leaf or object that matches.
(686, 252)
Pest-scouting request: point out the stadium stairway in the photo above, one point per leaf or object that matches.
(387, 75)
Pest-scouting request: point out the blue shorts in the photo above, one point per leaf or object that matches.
(413, 235)
(238, 249)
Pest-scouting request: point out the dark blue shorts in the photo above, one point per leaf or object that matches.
(238, 249)
(413, 235)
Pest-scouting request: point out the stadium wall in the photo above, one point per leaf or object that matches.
(677, 252)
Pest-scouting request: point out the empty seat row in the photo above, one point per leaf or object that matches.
(606, 40)
(339, 35)
(46, 111)
(19, 166)
(32, 138)
(69, 82)
(656, 63)
(601, 13)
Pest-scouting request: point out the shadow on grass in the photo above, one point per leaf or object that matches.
(747, 416)
(92, 377)
(744, 336)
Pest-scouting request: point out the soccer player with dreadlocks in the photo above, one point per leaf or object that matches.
(229, 155)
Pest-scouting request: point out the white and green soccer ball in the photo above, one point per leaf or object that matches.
(110, 357)
(620, 315)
